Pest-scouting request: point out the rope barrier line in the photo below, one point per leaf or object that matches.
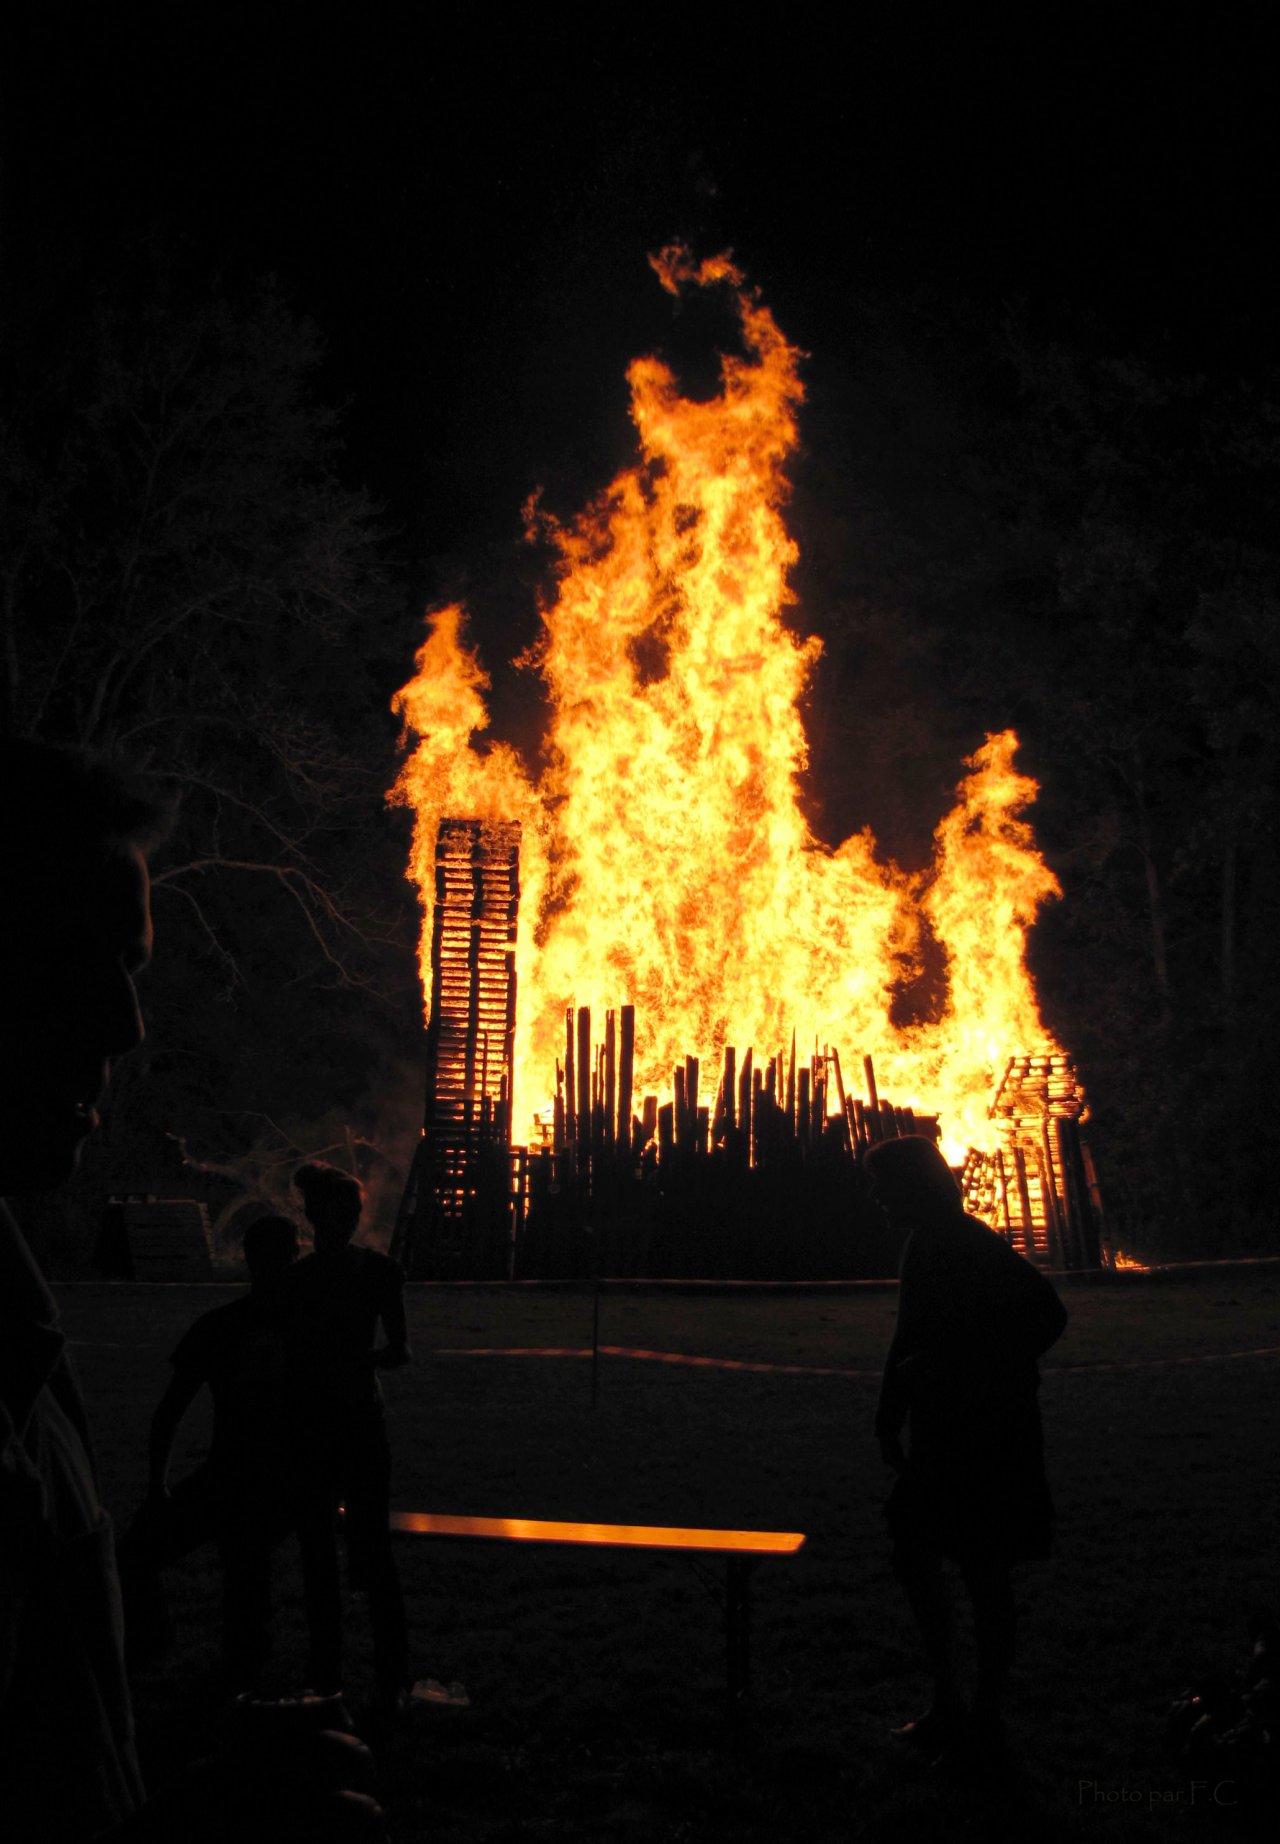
(651, 1357)
(814, 1370)
(1153, 1363)
(693, 1361)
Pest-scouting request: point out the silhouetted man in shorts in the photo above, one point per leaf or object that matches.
(961, 1373)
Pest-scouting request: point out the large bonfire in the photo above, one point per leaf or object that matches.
(665, 861)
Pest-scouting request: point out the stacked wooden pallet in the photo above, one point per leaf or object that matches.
(471, 1031)
(459, 1170)
(1040, 1186)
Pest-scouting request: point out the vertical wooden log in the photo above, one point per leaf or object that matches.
(701, 1130)
(1053, 1203)
(804, 1109)
(597, 1104)
(570, 1086)
(846, 1122)
(626, 1072)
(791, 1086)
(691, 1094)
(888, 1126)
(872, 1098)
(757, 1117)
(1073, 1226)
(730, 1089)
(520, 1155)
(1090, 1240)
(717, 1116)
(584, 1078)
(666, 1130)
(1049, 1204)
(1106, 1252)
(610, 1075)
(745, 1124)
(597, 1130)
(679, 1126)
(1094, 1247)
(649, 1117)
(1003, 1177)
(1024, 1200)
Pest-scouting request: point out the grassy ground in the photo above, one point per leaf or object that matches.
(596, 1679)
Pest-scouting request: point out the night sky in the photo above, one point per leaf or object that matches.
(464, 202)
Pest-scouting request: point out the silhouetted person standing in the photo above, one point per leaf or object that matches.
(75, 930)
(961, 1374)
(249, 1493)
(341, 1293)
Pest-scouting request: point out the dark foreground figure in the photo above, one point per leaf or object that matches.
(251, 1492)
(339, 1295)
(961, 1374)
(75, 929)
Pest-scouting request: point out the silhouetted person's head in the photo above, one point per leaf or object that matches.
(270, 1250)
(913, 1183)
(333, 1201)
(75, 929)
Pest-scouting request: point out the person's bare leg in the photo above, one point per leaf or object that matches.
(995, 1622)
(928, 1590)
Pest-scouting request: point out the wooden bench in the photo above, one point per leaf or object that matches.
(741, 1549)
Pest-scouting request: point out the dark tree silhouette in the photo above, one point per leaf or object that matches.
(185, 580)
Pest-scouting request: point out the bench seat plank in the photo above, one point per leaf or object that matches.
(612, 1536)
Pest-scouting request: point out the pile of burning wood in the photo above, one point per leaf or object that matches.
(759, 1114)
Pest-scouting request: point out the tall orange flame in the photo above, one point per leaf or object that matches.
(665, 861)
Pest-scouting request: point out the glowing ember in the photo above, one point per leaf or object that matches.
(664, 860)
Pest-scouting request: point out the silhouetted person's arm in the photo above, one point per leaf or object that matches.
(892, 1412)
(184, 1387)
(895, 1398)
(396, 1352)
(1046, 1316)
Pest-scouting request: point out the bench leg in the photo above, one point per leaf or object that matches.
(737, 1627)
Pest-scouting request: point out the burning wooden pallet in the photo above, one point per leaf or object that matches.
(1040, 1186)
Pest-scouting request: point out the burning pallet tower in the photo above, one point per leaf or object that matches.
(1040, 1187)
(457, 1196)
